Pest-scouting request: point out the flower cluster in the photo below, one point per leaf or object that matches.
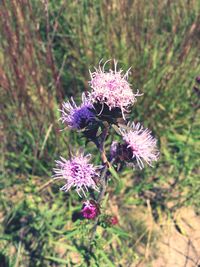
(140, 143)
(108, 103)
(77, 117)
(112, 89)
(78, 173)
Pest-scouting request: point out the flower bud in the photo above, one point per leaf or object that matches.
(198, 79)
(114, 220)
(90, 209)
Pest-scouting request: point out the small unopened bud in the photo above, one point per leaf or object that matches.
(90, 209)
(114, 220)
(198, 79)
(108, 220)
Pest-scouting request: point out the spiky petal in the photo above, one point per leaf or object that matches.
(112, 88)
(77, 117)
(78, 173)
(141, 143)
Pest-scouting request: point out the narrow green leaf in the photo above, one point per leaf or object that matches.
(105, 257)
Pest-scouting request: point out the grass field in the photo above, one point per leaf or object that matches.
(46, 50)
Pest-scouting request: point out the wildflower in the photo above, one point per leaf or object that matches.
(111, 89)
(140, 144)
(77, 117)
(114, 220)
(90, 209)
(78, 173)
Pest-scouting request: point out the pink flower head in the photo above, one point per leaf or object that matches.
(112, 88)
(77, 172)
(77, 117)
(90, 209)
(114, 220)
(140, 143)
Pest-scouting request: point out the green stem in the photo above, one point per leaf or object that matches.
(103, 179)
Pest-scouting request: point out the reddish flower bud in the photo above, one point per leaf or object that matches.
(90, 210)
(114, 220)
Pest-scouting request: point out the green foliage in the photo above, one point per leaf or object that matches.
(37, 230)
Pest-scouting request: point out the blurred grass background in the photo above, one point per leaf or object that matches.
(46, 49)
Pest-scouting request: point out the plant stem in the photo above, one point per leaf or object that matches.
(100, 197)
(103, 179)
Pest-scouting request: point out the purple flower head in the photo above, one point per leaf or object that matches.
(140, 143)
(112, 88)
(90, 210)
(78, 173)
(77, 117)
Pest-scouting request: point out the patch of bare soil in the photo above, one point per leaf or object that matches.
(179, 245)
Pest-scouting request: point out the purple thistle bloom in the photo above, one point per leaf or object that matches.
(140, 143)
(77, 172)
(90, 210)
(77, 117)
(112, 88)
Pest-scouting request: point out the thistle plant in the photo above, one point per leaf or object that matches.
(105, 107)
